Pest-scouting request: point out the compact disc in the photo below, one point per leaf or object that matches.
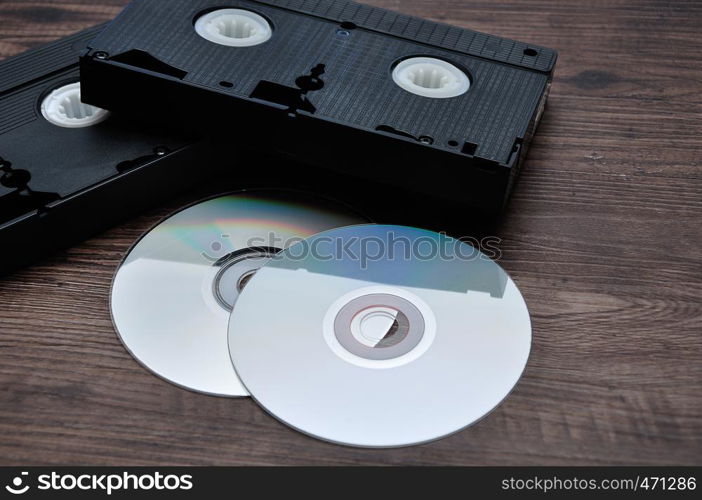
(172, 296)
(380, 336)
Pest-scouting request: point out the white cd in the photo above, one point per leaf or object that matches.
(380, 336)
(172, 296)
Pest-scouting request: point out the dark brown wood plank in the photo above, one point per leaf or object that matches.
(603, 237)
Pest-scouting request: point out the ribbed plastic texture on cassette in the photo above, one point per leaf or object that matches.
(331, 64)
(68, 170)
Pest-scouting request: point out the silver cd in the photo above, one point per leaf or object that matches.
(172, 296)
(380, 336)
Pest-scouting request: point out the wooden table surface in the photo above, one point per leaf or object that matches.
(602, 236)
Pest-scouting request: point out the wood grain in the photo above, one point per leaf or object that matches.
(603, 237)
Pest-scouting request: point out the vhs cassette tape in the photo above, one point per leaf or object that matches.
(411, 103)
(69, 170)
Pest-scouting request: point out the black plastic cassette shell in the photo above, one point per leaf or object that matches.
(60, 186)
(360, 122)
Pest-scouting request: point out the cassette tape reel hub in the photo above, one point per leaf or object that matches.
(431, 77)
(234, 27)
(64, 108)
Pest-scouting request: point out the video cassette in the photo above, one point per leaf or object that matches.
(69, 170)
(410, 103)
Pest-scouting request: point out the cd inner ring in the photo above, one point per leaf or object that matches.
(379, 327)
(236, 269)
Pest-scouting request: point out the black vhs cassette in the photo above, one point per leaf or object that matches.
(408, 102)
(68, 170)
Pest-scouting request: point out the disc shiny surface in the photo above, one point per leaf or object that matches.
(380, 336)
(172, 296)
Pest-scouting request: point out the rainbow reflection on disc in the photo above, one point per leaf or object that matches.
(172, 296)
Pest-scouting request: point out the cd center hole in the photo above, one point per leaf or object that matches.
(244, 280)
(236, 270)
(376, 326)
(380, 327)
